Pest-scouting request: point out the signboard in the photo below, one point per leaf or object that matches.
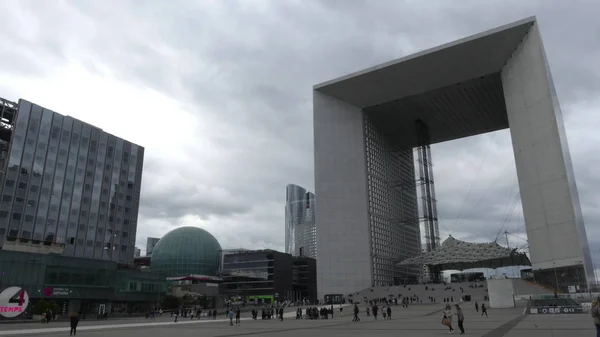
(50, 291)
(13, 302)
(557, 310)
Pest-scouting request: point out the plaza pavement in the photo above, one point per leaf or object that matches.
(416, 321)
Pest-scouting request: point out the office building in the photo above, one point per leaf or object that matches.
(266, 276)
(150, 244)
(300, 227)
(137, 252)
(366, 125)
(68, 183)
(74, 284)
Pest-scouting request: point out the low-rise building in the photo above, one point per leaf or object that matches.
(87, 286)
(266, 276)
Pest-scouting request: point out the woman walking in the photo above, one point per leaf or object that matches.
(447, 320)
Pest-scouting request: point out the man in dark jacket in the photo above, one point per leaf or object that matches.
(74, 322)
(461, 318)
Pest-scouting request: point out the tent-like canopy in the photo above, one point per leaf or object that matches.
(199, 278)
(455, 254)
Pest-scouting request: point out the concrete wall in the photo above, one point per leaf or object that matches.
(343, 241)
(548, 192)
(501, 293)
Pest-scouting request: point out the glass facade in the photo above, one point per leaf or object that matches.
(186, 251)
(393, 213)
(263, 273)
(71, 183)
(80, 284)
(300, 228)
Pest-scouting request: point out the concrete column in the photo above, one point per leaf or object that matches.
(343, 238)
(549, 195)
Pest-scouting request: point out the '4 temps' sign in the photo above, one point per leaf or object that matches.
(13, 302)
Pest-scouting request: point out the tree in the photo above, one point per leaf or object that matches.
(43, 305)
(171, 302)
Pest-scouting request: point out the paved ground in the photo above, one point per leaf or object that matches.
(417, 321)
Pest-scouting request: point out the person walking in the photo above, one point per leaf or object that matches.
(483, 310)
(230, 315)
(74, 321)
(476, 306)
(237, 316)
(356, 311)
(596, 315)
(461, 318)
(389, 313)
(447, 319)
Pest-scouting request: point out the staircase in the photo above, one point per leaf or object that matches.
(523, 287)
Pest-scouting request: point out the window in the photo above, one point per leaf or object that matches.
(22, 185)
(28, 218)
(6, 198)
(45, 191)
(16, 216)
(34, 188)
(123, 248)
(9, 182)
(125, 235)
(31, 203)
(128, 198)
(3, 214)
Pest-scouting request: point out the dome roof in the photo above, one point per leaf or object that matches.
(185, 251)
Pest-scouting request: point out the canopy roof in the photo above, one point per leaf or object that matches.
(455, 254)
(199, 278)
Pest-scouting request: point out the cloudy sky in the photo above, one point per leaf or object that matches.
(220, 94)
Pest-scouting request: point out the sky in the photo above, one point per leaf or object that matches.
(220, 95)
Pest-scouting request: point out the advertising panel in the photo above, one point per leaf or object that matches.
(13, 302)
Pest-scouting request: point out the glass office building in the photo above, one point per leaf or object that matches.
(300, 228)
(68, 182)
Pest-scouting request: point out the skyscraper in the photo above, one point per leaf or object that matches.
(70, 183)
(300, 227)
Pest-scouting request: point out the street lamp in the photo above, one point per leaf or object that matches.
(555, 276)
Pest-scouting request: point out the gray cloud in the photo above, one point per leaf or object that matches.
(244, 73)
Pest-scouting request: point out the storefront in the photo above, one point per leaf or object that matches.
(87, 286)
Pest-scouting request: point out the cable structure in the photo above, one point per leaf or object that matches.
(473, 181)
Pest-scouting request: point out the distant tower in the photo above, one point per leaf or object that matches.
(300, 228)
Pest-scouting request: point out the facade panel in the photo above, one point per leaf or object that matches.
(71, 183)
(549, 194)
(343, 232)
